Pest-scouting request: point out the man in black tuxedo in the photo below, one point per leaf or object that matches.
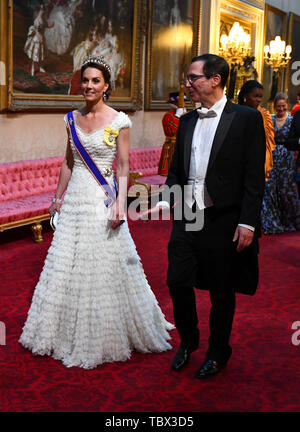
(220, 154)
(293, 141)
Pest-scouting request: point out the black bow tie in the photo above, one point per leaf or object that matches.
(209, 114)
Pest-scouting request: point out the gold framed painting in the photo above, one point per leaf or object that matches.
(292, 82)
(172, 40)
(275, 22)
(47, 40)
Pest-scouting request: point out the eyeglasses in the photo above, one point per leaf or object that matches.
(192, 78)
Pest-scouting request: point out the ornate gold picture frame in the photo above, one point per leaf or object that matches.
(43, 44)
(172, 40)
(275, 23)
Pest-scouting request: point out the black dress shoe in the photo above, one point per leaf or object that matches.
(209, 368)
(181, 358)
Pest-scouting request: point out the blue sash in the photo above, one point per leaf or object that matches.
(91, 166)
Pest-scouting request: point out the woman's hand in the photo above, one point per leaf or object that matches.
(54, 207)
(118, 209)
(116, 215)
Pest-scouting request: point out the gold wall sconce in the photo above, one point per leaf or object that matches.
(277, 54)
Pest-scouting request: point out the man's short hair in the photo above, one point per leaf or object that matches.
(214, 64)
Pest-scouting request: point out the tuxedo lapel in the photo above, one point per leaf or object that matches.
(188, 139)
(221, 132)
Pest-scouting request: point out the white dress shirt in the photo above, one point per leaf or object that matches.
(203, 137)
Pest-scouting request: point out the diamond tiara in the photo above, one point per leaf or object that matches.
(97, 60)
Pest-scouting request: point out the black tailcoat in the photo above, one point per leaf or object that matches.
(235, 177)
(294, 134)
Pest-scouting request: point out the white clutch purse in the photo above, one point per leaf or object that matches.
(54, 220)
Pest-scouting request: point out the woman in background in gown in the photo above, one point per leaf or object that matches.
(93, 303)
(280, 210)
(251, 95)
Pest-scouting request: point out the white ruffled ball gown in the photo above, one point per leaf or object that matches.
(93, 303)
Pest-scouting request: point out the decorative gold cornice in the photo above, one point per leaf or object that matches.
(236, 9)
(256, 3)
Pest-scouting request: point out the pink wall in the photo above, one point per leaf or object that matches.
(33, 136)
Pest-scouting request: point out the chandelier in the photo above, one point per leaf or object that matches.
(236, 46)
(277, 54)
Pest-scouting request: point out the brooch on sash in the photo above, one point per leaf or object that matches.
(110, 136)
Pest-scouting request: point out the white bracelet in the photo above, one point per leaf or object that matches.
(56, 200)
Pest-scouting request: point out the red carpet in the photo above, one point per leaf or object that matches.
(263, 374)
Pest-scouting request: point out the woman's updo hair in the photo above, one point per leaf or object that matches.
(100, 64)
(281, 96)
(246, 89)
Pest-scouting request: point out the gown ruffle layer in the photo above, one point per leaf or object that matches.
(93, 303)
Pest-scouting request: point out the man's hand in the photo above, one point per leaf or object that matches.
(244, 237)
(154, 211)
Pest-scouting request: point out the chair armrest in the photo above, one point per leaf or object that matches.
(134, 176)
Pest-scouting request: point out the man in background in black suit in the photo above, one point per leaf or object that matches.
(293, 143)
(220, 155)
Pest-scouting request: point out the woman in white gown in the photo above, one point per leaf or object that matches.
(59, 36)
(93, 303)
